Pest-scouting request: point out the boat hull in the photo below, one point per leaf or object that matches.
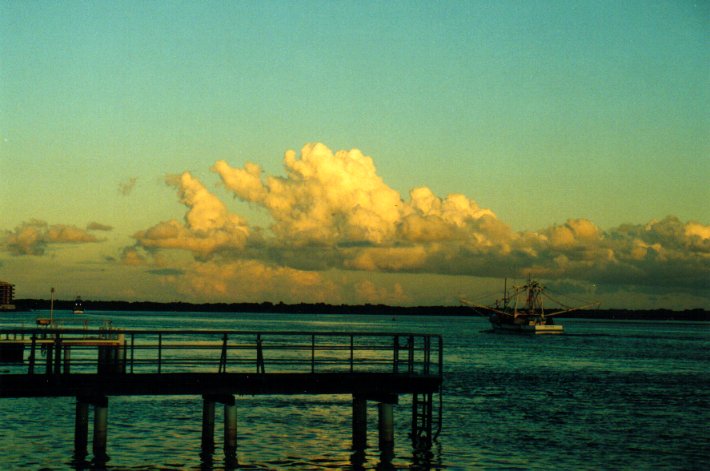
(528, 329)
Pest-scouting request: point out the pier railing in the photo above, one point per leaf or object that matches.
(92, 365)
(116, 351)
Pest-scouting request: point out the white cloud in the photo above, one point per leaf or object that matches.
(325, 197)
(208, 226)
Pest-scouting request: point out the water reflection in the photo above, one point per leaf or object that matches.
(610, 376)
(206, 461)
(358, 459)
(428, 458)
(386, 458)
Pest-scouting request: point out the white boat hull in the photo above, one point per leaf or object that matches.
(530, 329)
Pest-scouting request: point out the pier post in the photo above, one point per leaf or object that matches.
(31, 367)
(230, 429)
(49, 349)
(81, 429)
(67, 359)
(100, 429)
(207, 425)
(359, 423)
(121, 353)
(57, 355)
(386, 426)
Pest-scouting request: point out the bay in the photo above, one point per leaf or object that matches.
(606, 395)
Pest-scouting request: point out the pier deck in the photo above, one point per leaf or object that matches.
(370, 385)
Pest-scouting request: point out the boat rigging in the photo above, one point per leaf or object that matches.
(510, 315)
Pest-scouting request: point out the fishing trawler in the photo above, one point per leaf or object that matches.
(78, 306)
(509, 315)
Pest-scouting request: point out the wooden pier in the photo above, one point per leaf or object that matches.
(217, 365)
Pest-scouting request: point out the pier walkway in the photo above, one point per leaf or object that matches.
(92, 365)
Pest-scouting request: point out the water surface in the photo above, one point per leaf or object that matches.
(606, 395)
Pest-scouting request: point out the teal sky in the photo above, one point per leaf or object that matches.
(541, 112)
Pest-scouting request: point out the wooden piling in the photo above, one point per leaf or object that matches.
(49, 350)
(359, 423)
(207, 425)
(81, 429)
(67, 359)
(230, 428)
(386, 426)
(100, 430)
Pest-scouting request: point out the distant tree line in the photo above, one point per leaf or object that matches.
(699, 315)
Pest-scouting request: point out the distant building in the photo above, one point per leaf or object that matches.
(7, 293)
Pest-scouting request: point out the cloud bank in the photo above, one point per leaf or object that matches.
(331, 211)
(35, 236)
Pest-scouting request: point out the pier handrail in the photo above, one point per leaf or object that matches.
(135, 351)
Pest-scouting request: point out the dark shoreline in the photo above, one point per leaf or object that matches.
(699, 315)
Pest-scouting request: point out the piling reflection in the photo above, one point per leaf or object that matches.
(231, 463)
(98, 464)
(386, 458)
(358, 459)
(79, 463)
(428, 458)
(206, 461)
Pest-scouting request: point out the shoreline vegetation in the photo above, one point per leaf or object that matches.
(698, 315)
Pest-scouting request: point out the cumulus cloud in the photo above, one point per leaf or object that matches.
(125, 188)
(324, 198)
(332, 210)
(34, 236)
(132, 257)
(337, 200)
(208, 226)
(667, 252)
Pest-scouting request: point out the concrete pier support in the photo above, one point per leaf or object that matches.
(208, 425)
(81, 429)
(100, 430)
(359, 423)
(230, 429)
(386, 426)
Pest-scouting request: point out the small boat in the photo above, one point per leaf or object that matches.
(509, 315)
(78, 306)
(48, 321)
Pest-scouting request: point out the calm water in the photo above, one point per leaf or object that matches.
(607, 395)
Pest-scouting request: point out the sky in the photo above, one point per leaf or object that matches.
(403, 152)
